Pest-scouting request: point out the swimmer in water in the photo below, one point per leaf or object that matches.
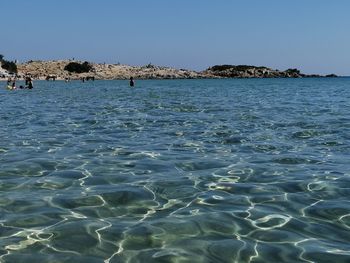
(30, 83)
(132, 83)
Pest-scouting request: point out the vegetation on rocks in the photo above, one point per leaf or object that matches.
(67, 69)
(10, 66)
(245, 71)
(75, 67)
(232, 67)
(293, 71)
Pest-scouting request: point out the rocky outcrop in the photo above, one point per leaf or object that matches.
(47, 69)
(331, 76)
(244, 71)
(4, 73)
(42, 69)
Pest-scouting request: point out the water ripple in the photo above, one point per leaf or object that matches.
(176, 171)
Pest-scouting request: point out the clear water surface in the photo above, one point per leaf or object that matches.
(176, 171)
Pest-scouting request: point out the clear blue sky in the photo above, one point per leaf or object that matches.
(312, 35)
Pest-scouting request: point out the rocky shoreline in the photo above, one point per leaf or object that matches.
(56, 70)
(244, 71)
(50, 69)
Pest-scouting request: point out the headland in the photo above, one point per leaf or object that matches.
(70, 69)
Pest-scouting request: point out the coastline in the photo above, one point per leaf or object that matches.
(56, 70)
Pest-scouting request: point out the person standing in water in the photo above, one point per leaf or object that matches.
(14, 83)
(132, 83)
(30, 83)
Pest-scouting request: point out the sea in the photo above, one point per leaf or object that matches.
(185, 171)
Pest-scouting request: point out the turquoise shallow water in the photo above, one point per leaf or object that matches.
(176, 171)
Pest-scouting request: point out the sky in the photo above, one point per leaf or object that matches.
(311, 35)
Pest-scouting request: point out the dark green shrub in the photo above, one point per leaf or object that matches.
(293, 71)
(75, 67)
(237, 68)
(10, 66)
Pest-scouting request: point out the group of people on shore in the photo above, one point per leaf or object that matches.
(11, 84)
